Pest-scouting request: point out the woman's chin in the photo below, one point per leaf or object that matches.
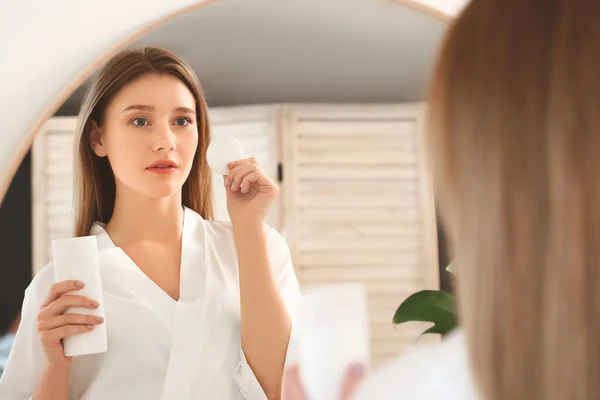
(163, 189)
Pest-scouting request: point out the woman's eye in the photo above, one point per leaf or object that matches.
(182, 121)
(140, 122)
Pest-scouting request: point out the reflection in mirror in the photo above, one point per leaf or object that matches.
(330, 104)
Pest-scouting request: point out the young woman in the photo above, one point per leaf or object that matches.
(514, 143)
(195, 309)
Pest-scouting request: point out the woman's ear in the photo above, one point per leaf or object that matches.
(96, 140)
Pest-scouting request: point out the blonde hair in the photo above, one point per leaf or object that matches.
(95, 182)
(513, 137)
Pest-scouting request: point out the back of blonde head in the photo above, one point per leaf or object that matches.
(95, 182)
(514, 141)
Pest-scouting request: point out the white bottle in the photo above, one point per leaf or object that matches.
(77, 259)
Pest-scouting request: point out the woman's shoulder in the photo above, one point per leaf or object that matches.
(428, 372)
(42, 282)
(40, 285)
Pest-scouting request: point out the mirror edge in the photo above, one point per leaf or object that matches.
(26, 142)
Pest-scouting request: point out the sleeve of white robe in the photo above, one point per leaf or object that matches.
(283, 272)
(26, 359)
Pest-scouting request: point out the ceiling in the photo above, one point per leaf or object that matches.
(267, 51)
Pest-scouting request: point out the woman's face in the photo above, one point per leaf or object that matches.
(150, 136)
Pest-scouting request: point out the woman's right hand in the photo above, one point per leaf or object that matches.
(54, 325)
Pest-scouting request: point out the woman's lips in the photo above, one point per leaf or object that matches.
(162, 170)
(162, 167)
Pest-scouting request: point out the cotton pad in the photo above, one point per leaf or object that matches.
(222, 150)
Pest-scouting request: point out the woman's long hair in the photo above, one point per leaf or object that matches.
(514, 143)
(95, 182)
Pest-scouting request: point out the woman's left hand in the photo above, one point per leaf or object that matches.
(250, 192)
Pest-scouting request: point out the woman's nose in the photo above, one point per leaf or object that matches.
(165, 140)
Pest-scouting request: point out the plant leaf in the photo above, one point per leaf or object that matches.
(435, 306)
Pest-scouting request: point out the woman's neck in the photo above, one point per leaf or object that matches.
(138, 218)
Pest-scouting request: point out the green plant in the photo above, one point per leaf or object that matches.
(435, 306)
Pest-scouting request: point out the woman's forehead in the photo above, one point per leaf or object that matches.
(157, 92)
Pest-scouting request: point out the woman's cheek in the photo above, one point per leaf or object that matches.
(125, 159)
(188, 146)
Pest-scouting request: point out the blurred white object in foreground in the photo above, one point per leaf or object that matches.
(427, 372)
(335, 334)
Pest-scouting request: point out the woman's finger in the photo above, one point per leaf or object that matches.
(235, 170)
(68, 319)
(248, 180)
(60, 288)
(354, 376)
(250, 160)
(53, 337)
(235, 176)
(65, 302)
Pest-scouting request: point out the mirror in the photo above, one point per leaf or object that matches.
(328, 96)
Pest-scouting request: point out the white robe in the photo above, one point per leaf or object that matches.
(428, 372)
(159, 348)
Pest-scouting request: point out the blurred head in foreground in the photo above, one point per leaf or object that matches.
(514, 143)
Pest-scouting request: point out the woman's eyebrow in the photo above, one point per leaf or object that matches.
(144, 107)
(185, 110)
(141, 107)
